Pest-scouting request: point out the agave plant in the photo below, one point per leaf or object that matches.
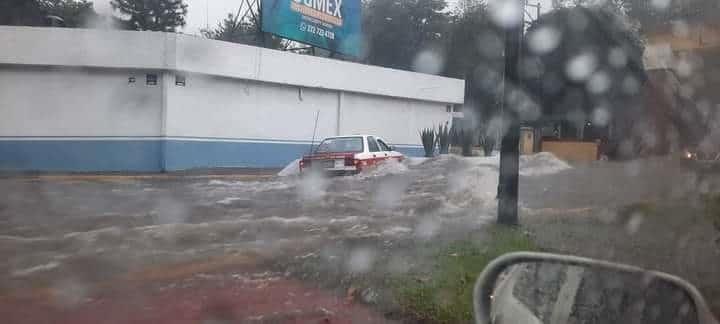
(443, 138)
(466, 137)
(487, 143)
(454, 135)
(427, 136)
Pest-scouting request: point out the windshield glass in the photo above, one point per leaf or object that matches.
(340, 144)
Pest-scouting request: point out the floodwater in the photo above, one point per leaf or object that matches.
(116, 224)
(71, 233)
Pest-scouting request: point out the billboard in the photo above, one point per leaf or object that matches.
(331, 24)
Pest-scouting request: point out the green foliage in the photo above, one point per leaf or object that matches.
(155, 15)
(468, 28)
(606, 32)
(234, 29)
(20, 13)
(74, 13)
(445, 294)
(397, 31)
(427, 136)
(443, 138)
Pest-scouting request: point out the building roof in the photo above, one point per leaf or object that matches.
(169, 51)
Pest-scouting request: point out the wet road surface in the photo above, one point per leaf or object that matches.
(60, 235)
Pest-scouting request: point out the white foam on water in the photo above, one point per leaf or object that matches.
(343, 219)
(38, 268)
(249, 186)
(301, 219)
(384, 168)
(216, 182)
(293, 168)
(542, 163)
(397, 230)
(415, 161)
(228, 200)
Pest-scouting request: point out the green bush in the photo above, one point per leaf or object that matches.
(445, 294)
(427, 136)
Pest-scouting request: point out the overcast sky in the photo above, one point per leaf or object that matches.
(201, 12)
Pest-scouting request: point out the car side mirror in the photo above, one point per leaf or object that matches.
(526, 287)
(392, 147)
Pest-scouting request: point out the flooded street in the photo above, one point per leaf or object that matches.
(123, 224)
(71, 235)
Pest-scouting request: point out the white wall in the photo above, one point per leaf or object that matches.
(83, 47)
(396, 120)
(38, 101)
(230, 108)
(169, 51)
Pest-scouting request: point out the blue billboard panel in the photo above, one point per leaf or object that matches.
(331, 24)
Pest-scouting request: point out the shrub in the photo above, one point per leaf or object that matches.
(427, 136)
(443, 138)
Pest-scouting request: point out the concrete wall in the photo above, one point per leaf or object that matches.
(72, 108)
(396, 120)
(211, 116)
(169, 51)
(77, 119)
(263, 124)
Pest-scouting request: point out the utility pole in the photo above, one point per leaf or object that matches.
(510, 145)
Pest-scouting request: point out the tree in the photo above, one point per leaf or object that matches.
(398, 31)
(234, 29)
(21, 13)
(583, 65)
(74, 13)
(155, 15)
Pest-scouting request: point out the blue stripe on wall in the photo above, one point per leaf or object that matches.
(181, 155)
(81, 156)
(148, 155)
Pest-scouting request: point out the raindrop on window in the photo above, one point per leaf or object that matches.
(687, 91)
(506, 13)
(630, 85)
(617, 57)
(577, 20)
(489, 44)
(601, 116)
(580, 67)
(543, 40)
(360, 260)
(660, 4)
(599, 82)
(427, 228)
(633, 224)
(428, 61)
(684, 67)
(680, 28)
